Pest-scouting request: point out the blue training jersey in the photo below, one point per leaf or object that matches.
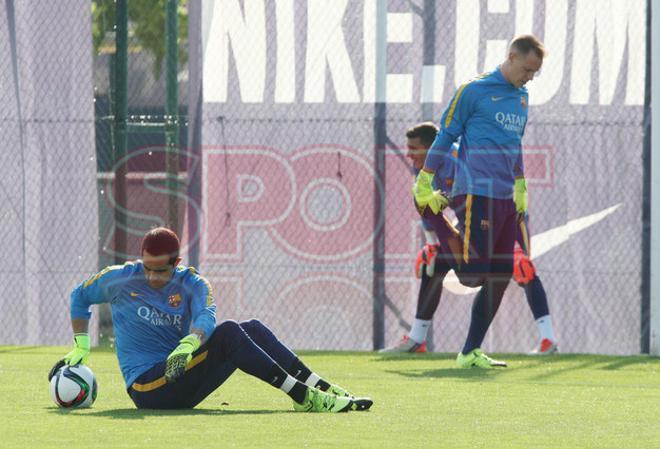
(489, 115)
(148, 322)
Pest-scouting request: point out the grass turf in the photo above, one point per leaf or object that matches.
(564, 401)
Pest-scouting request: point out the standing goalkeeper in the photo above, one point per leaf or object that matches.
(489, 115)
(432, 260)
(171, 353)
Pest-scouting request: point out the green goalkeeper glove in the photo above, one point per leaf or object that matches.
(80, 351)
(79, 354)
(180, 357)
(425, 196)
(520, 195)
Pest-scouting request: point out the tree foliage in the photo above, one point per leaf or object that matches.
(146, 27)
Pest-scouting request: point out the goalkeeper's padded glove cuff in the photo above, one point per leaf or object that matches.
(180, 357)
(81, 340)
(80, 351)
(520, 194)
(193, 340)
(520, 185)
(425, 177)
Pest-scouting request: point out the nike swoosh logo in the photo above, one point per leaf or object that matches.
(496, 98)
(133, 294)
(541, 244)
(545, 241)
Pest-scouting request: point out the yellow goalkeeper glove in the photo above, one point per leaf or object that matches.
(425, 196)
(520, 195)
(80, 351)
(180, 357)
(79, 354)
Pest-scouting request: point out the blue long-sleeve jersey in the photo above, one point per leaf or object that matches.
(148, 322)
(489, 115)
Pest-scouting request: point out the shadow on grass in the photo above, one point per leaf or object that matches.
(578, 362)
(478, 375)
(133, 413)
(15, 349)
(541, 369)
(414, 356)
(47, 349)
(516, 362)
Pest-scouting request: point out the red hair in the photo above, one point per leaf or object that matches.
(162, 241)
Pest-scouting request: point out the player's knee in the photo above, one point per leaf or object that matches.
(228, 336)
(253, 323)
(228, 328)
(254, 327)
(471, 280)
(474, 282)
(441, 268)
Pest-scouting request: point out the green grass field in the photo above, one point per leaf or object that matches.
(565, 401)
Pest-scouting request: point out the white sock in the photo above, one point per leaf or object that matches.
(420, 329)
(288, 384)
(545, 327)
(312, 380)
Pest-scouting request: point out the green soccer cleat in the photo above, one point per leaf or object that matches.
(476, 358)
(359, 404)
(320, 401)
(338, 391)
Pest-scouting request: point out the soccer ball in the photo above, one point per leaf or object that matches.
(73, 387)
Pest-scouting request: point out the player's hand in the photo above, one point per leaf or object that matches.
(180, 357)
(523, 268)
(520, 195)
(425, 196)
(80, 351)
(79, 354)
(426, 260)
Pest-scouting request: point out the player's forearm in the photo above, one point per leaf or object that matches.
(79, 325)
(439, 152)
(199, 332)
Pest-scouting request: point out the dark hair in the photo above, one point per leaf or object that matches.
(425, 131)
(525, 43)
(162, 241)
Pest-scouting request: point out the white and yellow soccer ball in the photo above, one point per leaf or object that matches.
(73, 387)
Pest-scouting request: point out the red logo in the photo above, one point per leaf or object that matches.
(174, 300)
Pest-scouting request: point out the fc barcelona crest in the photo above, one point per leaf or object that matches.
(174, 300)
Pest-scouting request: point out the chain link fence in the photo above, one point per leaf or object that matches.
(293, 190)
(48, 206)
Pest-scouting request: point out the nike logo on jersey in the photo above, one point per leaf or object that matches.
(496, 98)
(134, 294)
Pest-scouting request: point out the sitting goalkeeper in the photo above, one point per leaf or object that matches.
(171, 353)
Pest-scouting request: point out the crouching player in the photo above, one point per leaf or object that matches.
(171, 353)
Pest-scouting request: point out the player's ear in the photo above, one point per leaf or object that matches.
(512, 56)
(177, 261)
